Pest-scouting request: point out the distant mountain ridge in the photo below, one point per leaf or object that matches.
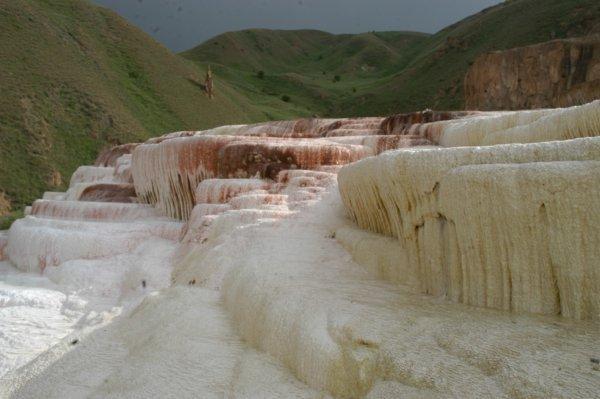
(305, 50)
(386, 72)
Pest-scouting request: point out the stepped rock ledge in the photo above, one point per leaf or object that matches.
(432, 254)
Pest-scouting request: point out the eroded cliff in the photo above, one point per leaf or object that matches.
(558, 73)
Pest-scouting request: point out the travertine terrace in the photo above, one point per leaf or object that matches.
(434, 254)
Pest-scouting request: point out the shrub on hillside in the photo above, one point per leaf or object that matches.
(4, 204)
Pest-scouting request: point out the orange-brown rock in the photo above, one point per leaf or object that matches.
(87, 210)
(109, 192)
(220, 191)
(299, 128)
(266, 158)
(403, 123)
(4, 204)
(3, 244)
(380, 143)
(310, 128)
(349, 125)
(55, 179)
(167, 173)
(109, 156)
(558, 73)
(345, 132)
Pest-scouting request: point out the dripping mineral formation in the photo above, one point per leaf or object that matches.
(434, 254)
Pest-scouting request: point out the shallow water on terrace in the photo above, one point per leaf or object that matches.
(35, 314)
(37, 311)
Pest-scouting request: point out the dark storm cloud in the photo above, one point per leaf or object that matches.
(181, 24)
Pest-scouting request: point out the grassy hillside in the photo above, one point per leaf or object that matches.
(434, 78)
(75, 77)
(384, 72)
(303, 65)
(308, 51)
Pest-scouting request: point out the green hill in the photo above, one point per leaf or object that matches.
(75, 77)
(308, 51)
(434, 78)
(384, 72)
(303, 65)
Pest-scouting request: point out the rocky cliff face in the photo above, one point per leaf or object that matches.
(552, 74)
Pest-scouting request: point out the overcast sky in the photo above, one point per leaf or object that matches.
(182, 24)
